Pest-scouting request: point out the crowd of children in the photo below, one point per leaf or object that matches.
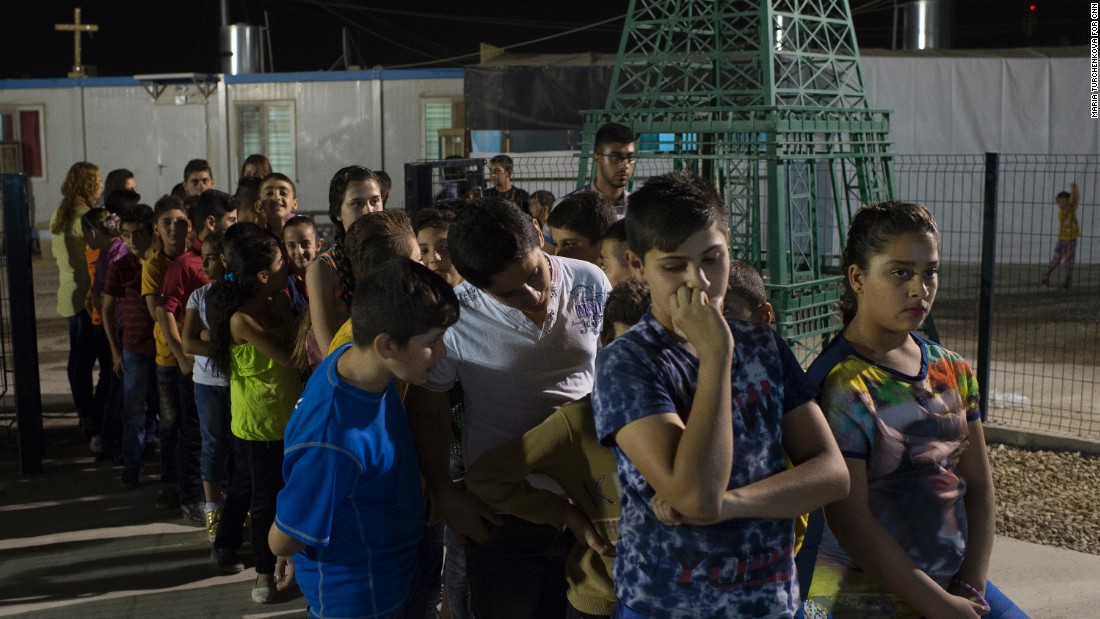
(577, 411)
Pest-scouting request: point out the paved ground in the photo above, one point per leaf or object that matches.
(74, 543)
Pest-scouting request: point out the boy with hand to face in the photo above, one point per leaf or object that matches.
(699, 411)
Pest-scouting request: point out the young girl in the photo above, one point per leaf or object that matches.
(353, 191)
(211, 387)
(251, 325)
(80, 191)
(302, 242)
(914, 535)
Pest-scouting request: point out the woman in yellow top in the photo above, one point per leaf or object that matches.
(80, 191)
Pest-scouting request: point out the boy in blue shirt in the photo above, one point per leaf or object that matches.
(700, 411)
(351, 509)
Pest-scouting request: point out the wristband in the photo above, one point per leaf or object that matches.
(972, 591)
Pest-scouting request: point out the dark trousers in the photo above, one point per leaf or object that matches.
(265, 466)
(180, 437)
(82, 358)
(573, 613)
(238, 498)
(103, 397)
(427, 592)
(519, 572)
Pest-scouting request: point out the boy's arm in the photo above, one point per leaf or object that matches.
(192, 331)
(430, 420)
(281, 544)
(877, 552)
(980, 510)
(171, 331)
(1073, 196)
(499, 475)
(111, 330)
(819, 476)
(689, 464)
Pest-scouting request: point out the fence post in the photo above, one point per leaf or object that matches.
(985, 292)
(24, 335)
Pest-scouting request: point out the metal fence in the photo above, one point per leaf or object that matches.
(1045, 341)
(1045, 344)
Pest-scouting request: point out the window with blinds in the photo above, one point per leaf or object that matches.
(267, 128)
(437, 115)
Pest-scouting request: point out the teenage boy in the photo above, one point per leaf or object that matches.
(214, 211)
(566, 448)
(354, 537)
(613, 254)
(614, 156)
(500, 175)
(279, 200)
(578, 223)
(172, 227)
(525, 345)
(197, 177)
(133, 353)
(699, 411)
(248, 201)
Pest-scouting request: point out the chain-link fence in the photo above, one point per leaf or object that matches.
(1045, 339)
(1045, 346)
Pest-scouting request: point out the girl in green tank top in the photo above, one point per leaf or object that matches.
(251, 338)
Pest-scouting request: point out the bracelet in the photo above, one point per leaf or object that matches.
(972, 591)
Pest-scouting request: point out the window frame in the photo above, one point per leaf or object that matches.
(15, 111)
(238, 133)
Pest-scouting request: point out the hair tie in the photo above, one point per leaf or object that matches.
(229, 276)
(111, 223)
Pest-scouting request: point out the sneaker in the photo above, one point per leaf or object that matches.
(130, 479)
(96, 445)
(213, 517)
(226, 560)
(168, 497)
(193, 512)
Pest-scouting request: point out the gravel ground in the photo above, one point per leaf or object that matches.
(1047, 497)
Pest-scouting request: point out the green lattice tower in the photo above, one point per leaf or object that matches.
(764, 98)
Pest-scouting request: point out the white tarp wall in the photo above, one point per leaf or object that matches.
(969, 105)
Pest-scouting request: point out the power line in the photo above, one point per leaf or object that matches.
(478, 19)
(521, 44)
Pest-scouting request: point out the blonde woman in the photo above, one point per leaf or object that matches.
(81, 190)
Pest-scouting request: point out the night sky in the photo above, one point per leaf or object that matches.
(162, 36)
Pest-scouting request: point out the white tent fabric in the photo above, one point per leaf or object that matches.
(971, 105)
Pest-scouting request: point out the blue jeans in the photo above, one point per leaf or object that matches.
(82, 358)
(139, 391)
(212, 402)
(519, 571)
(1000, 607)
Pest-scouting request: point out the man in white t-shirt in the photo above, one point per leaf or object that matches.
(525, 344)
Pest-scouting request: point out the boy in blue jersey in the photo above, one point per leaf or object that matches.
(700, 411)
(351, 513)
